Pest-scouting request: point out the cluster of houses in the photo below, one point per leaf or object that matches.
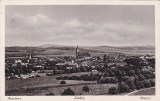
(81, 60)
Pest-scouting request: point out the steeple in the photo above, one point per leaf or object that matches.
(30, 56)
(77, 51)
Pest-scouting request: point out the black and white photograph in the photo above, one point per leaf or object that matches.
(80, 50)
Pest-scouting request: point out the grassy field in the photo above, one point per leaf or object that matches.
(149, 91)
(94, 89)
(49, 84)
(41, 81)
(40, 86)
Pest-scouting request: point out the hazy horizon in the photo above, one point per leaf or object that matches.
(81, 45)
(83, 25)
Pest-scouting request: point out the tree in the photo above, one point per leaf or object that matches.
(131, 83)
(133, 61)
(114, 80)
(68, 91)
(113, 90)
(139, 84)
(106, 74)
(123, 87)
(104, 58)
(131, 72)
(123, 73)
(86, 88)
(136, 77)
(141, 77)
(138, 71)
(147, 83)
(152, 81)
(63, 82)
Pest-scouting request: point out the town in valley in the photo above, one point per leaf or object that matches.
(84, 72)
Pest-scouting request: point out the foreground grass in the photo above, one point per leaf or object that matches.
(147, 91)
(94, 89)
(41, 81)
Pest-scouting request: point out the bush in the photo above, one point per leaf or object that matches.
(123, 87)
(86, 88)
(123, 73)
(148, 76)
(63, 82)
(131, 84)
(141, 77)
(68, 91)
(66, 77)
(106, 74)
(114, 80)
(108, 80)
(152, 81)
(113, 90)
(136, 77)
(125, 78)
(147, 83)
(59, 78)
(131, 72)
(138, 71)
(139, 84)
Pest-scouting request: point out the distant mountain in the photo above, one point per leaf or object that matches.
(50, 45)
(133, 47)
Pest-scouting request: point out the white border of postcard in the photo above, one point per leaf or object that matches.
(78, 2)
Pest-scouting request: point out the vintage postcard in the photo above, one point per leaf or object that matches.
(79, 50)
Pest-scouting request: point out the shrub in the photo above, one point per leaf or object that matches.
(119, 73)
(106, 74)
(139, 84)
(131, 84)
(73, 78)
(107, 80)
(152, 81)
(131, 72)
(113, 90)
(141, 77)
(59, 78)
(124, 78)
(68, 91)
(136, 77)
(86, 88)
(66, 77)
(147, 83)
(123, 73)
(114, 80)
(148, 76)
(138, 71)
(123, 87)
(63, 82)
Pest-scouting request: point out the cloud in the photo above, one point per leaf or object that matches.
(35, 21)
(41, 29)
(73, 23)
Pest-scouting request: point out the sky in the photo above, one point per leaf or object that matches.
(83, 25)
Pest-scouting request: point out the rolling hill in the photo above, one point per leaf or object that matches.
(60, 50)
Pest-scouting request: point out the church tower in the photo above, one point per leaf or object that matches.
(29, 58)
(77, 52)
